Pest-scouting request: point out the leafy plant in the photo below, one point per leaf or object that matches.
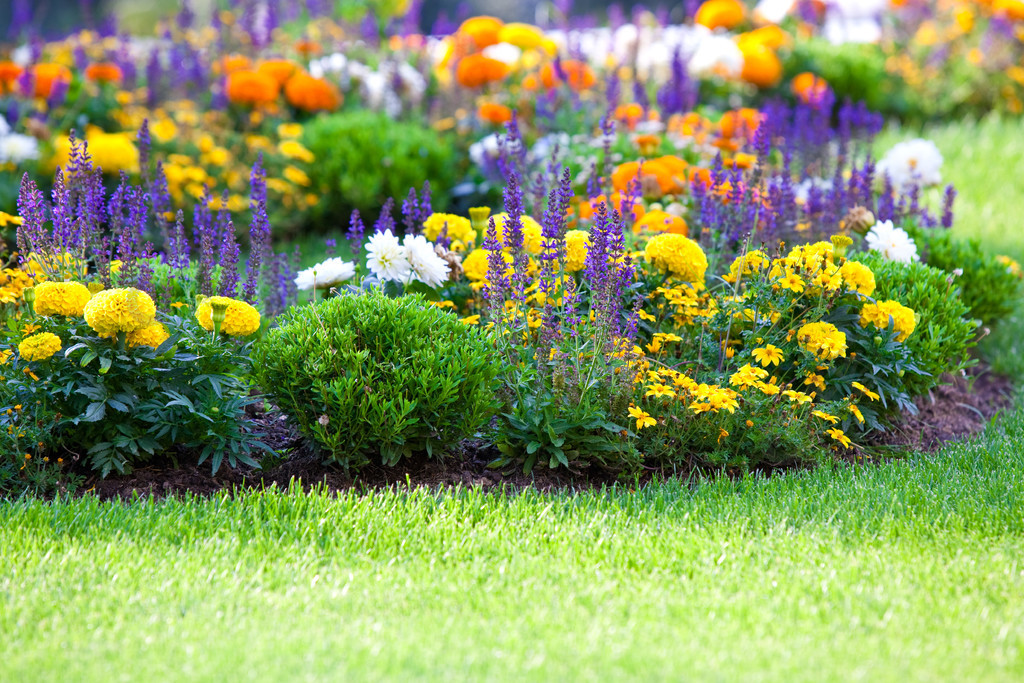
(365, 157)
(988, 288)
(945, 331)
(364, 374)
(121, 406)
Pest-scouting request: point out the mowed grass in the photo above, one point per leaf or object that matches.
(909, 571)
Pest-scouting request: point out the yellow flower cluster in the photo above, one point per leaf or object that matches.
(879, 314)
(460, 229)
(119, 310)
(475, 265)
(576, 244)
(824, 340)
(700, 398)
(113, 152)
(533, 241)
(153, 335)
(747, 264)
(39, 346)
(240, 318)
(677, 255)
(61, 298)
(858, 278)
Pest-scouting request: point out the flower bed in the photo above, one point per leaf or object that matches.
(619, 285)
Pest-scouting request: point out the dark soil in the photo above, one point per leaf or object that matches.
(963, 407)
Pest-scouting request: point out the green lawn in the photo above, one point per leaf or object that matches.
(909, 571)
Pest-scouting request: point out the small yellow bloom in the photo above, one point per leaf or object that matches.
(768, 355)
(470, 320)
(831, 419)
(839, 436)
(642, 419)
(864, 390)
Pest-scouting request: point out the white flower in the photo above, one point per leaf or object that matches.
(773, 11)
(424, 263)
(15, 148)
(716, 55)
(893, 243)
(503, 52)
(325, 275)
(914, 162)
(485, 149)
(386, 258)
(5, 128)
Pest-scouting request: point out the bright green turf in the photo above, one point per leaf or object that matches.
(911, 571)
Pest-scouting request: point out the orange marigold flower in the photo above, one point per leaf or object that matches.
(495, 113)
(482, 31)
(311, 94)
(44, 76)
(761, 66)
(808, 87)
(251, 88)
(231, 63)
(578, 74)
(278, 69)
(725, 14)
(9, 72)
(306, 47)
(740, 123)
(104, 72)
(661, 221)
(475, 71)
(629, 114)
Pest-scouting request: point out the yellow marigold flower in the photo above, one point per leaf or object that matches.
(839, 436)
(61, 298)
(792, 282)
(769, 355)
(577, 242)
(797, 397)
(7, 219)
(768, 388)
(824, 340)
(679, 256)
(1012, 266)
(831, 419)
(858, 277)
(293, 149)
(747, 376)
(470, 320)
(659, 391)
(153, 335)
(297, 176)
(747, 264)
(5, 355)
(856, 413)
(815, 380)
(240, 319)
(532, 238)
(119, 310)
(864, 390)
(459, 228)
(289, 130)
(879, 314)
(39, 346)
(642, 419)
(113, 152)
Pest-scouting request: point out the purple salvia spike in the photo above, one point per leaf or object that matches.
(228, 285)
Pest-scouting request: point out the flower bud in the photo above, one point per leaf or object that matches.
(218, 313)
(95, 287)
(478, 217)
(839, 245)
(29, 294)
(859, 220)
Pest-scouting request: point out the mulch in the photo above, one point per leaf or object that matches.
(964, 406)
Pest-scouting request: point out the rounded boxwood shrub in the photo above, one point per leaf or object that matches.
(945, 331)
(363, 374)
(988, 288)
(363, 158)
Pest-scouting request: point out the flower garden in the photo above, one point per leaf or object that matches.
(673, 316)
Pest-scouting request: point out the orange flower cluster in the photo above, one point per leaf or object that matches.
(261, 87)
(311, 94)
(104, 72)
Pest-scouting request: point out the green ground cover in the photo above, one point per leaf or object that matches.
(908, 571)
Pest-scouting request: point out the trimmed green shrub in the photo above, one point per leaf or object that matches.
(362, 374)
(363, 158)
(945, 331)
(987, 286)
